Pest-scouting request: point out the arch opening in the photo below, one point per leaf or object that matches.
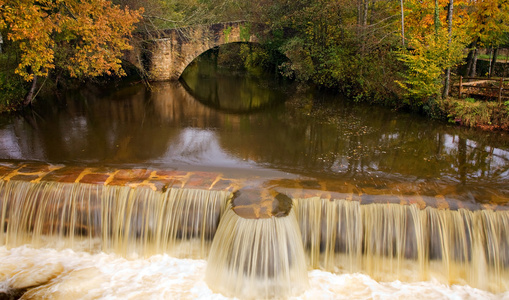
(241, 58)
(237, 78)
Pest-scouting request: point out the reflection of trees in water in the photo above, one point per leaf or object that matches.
(360, 141)
(92, 127)
(133, 125)
(234, 94)
(303, 136)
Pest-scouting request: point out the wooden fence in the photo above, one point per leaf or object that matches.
(483, 84)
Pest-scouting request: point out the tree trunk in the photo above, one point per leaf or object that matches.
(359, 17)
(365, 18)
(30, 95)
(473, 71)
(447, 82)
(402, 24)
(364, 24)
(470, 58)
(493, 62)
(437, 19)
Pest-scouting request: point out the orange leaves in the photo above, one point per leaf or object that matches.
(29, 25)
(102, 30)
(86, 38)
(420, 20)
(489, 20)
(486, 19)
(2, 23)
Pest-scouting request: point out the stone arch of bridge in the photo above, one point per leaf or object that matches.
(189, 59)
(164, 55)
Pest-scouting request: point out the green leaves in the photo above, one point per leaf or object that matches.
(227, 33)
(427, 62)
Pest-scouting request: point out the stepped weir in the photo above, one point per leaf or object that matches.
(260, 236)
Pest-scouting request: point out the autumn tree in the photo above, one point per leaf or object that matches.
(488, 24)
(437, 37)
(80, 38)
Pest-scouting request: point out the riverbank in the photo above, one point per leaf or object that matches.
(475, 113)
(467, 112)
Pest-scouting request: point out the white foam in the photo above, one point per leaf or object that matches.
(67, 274)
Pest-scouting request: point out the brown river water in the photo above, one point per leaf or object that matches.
(260, 126)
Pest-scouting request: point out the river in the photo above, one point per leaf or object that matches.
(248, 127)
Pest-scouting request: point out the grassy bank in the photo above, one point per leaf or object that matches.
(474, 113)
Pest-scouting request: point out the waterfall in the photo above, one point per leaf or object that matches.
(399, 242)
(257, 258)
(269, 256)
(119, 219)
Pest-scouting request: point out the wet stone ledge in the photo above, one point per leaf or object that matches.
(255, 197)
(157, 180)
(255, 203)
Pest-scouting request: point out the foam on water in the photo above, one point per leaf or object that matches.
(66, 274)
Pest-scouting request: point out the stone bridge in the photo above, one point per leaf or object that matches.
(165, 54)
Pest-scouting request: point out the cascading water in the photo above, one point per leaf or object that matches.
(119, 219)
(267, 257)
(399, 242)
(257, 258)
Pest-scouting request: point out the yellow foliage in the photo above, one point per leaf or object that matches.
(489, 20)
(419, 17)
(427, 62)
(2, 23)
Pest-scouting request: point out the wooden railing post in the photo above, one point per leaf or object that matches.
(461, 87)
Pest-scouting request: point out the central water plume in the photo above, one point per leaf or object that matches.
(257, 258)
(124, 220)
(399, 242)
